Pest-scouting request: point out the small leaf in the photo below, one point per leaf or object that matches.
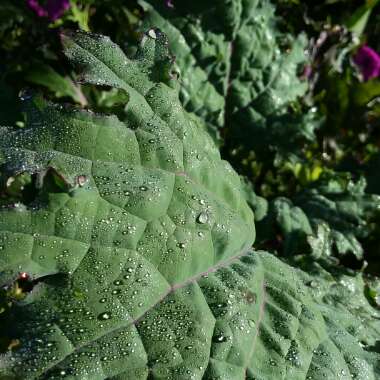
(359, 19)
(46, 76)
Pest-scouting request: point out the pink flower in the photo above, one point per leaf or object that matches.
(53, 9)
(368, 61)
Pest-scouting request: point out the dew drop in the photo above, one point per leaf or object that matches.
(202, 218)
(104, 316)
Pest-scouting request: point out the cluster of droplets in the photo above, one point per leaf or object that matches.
(92, 305)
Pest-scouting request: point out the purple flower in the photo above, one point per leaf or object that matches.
(368, 61)
(53, 9)
(169, 3)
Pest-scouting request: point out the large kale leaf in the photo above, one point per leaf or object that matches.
(238, 72)
(137, 237)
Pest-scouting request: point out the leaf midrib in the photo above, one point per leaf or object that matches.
(245, 251)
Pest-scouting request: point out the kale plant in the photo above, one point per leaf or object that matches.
(132, 239)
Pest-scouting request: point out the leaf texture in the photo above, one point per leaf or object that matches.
(238, 72)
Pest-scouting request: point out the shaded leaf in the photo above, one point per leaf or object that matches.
(46, 76)
(237, 71)
(331, 217)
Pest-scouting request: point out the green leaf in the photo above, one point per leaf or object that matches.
(137, 244)
(290, 221)
(344, 207)
(359, 19)
(238, 72)
(46, 76)
(156, 194)
(330, 217)
(331, 287)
